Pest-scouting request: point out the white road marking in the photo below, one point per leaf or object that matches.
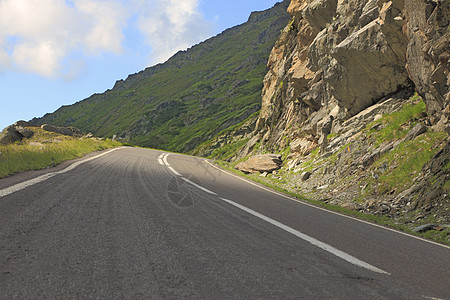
(164, 158)
(160, 159)
(174, 171)
(25, 184)
(165, 162)
(326, 210)
(198, 186)
(309, 239)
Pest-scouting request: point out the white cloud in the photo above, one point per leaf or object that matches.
(38, 57)
(108, 19)
(40, 36)
(170, 26)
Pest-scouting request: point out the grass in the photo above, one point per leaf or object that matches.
(229, 150)
(331, 136)
(46, 149)
(393, 123)
(408, 158)
(309, 165)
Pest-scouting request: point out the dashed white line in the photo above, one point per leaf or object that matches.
(199, 186)
(311, 240)
(163, 158)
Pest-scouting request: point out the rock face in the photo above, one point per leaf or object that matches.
(333, 60)
(428, 56)
(260, 163)
(337, 58)
(359, 66)
(303, 145)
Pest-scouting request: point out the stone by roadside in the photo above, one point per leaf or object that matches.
(261, 163)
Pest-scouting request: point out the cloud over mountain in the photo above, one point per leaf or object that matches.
(172, 25)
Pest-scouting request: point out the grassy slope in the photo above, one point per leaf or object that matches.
(189, 99)
(46, 149)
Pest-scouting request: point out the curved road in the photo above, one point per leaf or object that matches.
(144, 224)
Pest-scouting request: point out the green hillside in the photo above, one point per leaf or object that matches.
(189, 99)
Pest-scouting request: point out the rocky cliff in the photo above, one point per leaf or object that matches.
(426, 24)
(357, 101)
(337, 58)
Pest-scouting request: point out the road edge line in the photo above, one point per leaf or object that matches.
(341, 254)
(22, 185)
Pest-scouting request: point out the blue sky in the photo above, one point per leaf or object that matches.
(58, 52)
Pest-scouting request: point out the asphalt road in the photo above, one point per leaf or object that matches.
(141, 224)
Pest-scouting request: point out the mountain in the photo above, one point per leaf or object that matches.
(190, 98)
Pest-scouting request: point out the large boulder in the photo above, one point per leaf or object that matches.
(261, 163)
(15, 133)
(10, 135)
(25, 132)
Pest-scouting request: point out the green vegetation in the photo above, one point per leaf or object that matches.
(393, 123)
(407, 160)
(331, 136)
(309, 165)
(46, 149)
(229, 150)
(191, 98)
